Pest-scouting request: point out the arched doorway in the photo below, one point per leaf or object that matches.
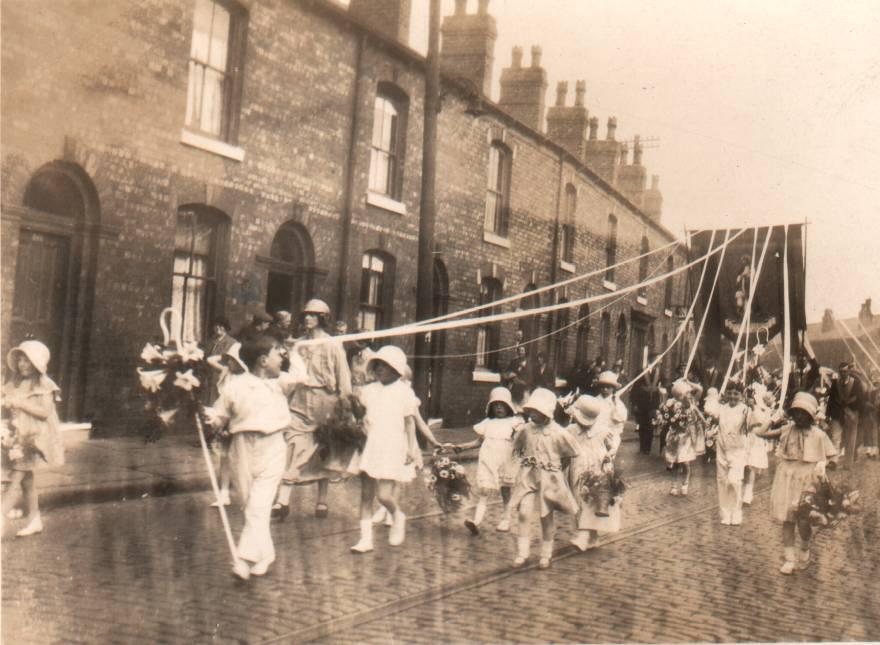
(291, 269)
(54, 273)
(438, 340)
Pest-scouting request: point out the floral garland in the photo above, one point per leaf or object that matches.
(448, 481)
(171, 375)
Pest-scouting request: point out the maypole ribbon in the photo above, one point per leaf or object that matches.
(538, 290)
(693, 353)
(752, 290)
(786, 330)
(418, 328)
(859, 343)
(684, 323)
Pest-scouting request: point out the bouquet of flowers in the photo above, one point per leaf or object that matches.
(601, 488)
(824, 504)
(15, 447)
(448, 481)
(171, 374)
(343, 431)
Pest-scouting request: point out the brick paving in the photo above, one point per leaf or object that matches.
(157, 570)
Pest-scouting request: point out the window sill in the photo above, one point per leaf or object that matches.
(610, 286)
(667, 313)
(485, 376)
(642, 300)
(385, 203)
(569, 267)
(189, 138)
(497, 240)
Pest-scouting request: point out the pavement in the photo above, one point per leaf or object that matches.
(157, 569)
(119, 469)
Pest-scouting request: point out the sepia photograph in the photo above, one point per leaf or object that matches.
(439, 321)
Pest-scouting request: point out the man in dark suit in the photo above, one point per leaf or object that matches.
(844, 403)
(646, 400)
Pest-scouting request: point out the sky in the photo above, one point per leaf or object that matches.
(767, 112)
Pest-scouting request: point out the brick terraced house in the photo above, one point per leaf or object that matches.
(226, 156)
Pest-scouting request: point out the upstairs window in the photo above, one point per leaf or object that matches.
(389, 141)
(611, 248)
(377, 290)
(215, 69)
(198, 239)
(497, 214)
(568, 228)
(643, 266)
(489, 336)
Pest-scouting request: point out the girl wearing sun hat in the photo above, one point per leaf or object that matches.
(33, 439)
(803, 451)
(391, 449)
(545, 451)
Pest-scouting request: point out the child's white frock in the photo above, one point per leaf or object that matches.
(497, 466)
(594, 446)
(384, 454)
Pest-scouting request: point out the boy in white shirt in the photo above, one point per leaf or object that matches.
(255, 405)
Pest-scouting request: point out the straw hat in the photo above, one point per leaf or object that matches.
(392, 356)
(233, 354)
(500, 395)
(35, 351)
(806, 402)
(543, 401)
(608, 378)
(586, 410)
(681, 389)
(316, 306)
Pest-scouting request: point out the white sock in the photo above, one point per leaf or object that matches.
(480, 513)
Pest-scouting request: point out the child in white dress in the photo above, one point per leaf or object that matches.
(33, 440)
(595, 445)
(391, 450)
(760, 418)
(803, 452)
(497, 466)
(545, 450)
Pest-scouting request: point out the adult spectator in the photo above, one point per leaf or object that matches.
(645, 401)
(258, 326)
(282, 325)
(844, 402)
(543, 375)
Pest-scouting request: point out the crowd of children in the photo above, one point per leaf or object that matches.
(267, 397)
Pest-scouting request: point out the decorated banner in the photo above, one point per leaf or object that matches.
(750, 298)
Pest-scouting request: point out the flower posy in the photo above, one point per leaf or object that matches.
(152, 354)
(151, 380)
(186, 381)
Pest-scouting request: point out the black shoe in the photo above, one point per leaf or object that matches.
(472, 527)
(280, 512)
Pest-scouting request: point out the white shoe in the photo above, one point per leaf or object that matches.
(684, 490)
(398, 529)
(261, 567)
(582, 541)
(241, 569)
(363, 546)
(787, 568)
(503, 525)
(736, 518)
(34, 526)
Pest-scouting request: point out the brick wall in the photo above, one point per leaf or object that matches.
(107, 95)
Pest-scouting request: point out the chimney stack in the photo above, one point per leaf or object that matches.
(603, 157)
(468, 46)
(652, 201)
(567, 126)
(523, 89)
(633, 177)
(389, 17)
(828, 320)
(612, 128)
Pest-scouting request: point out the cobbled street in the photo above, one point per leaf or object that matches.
(158, 569)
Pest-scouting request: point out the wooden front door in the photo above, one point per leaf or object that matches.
(39, 307)
(637, 348)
